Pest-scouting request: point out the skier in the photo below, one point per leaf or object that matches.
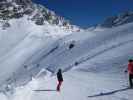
(60, 79)
(130, 71)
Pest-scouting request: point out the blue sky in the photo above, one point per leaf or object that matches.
(87, 12)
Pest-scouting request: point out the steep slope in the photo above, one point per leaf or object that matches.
(91, 45)
(26, 29)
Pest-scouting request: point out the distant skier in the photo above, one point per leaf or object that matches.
(60, 79)
(130, 71)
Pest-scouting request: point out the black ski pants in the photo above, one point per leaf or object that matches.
(131, 80)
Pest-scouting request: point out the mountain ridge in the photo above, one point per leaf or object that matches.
(117, 20)
(39, 14)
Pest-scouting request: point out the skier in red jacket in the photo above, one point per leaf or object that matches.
(130, 71)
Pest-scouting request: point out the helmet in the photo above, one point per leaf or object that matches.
(130, 60)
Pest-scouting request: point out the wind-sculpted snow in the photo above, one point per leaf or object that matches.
(17, 57)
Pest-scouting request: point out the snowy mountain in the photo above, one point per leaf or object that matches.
(15, 9)
(35, 43)
(123, 18)
(26, 27)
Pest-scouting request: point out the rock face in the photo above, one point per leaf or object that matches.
(19, 2)
(10, 9)
(120, 19)
(22, 2)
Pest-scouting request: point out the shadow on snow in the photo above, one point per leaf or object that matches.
(45, 90)
(109, 93)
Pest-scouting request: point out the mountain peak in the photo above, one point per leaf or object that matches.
(19, 2)
(23, 2)
(117, 20)
(14, 9)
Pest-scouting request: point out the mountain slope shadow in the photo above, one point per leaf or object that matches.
(109, 93)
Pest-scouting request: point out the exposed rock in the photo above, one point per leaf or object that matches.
(120, 19)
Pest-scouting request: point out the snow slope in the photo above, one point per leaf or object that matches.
(20, 43)
(26, 31)
(97, 62)
(91, 45)
(31, 54)
(77, 85)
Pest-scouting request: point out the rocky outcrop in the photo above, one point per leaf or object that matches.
(120, 19)
(39, 14)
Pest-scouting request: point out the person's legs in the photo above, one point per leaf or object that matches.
(131, 80)
(59, 85)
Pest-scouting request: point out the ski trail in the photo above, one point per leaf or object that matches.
(48, 53)
(44, 51)
(109, 93)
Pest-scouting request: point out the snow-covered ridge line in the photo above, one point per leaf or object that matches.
(117, 20)
(39, 14)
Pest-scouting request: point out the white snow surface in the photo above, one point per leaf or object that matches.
(77, 85)
(94, 65)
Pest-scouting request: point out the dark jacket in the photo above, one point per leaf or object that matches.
(59, 76)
